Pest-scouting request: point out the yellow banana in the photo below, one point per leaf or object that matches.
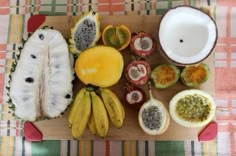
(91, 124)
(113, 106)
(82, 116)
(100, 115)
(75, 105)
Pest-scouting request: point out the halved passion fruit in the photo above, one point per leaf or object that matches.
(195, 75)
(165, 75)
(116, 36)
(142, 44)
(138, 72)
(153, 117)
(192, 108)
(135, 96)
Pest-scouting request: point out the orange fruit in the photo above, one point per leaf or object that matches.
(116, 36)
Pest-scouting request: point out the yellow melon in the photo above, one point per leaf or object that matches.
(100, 66)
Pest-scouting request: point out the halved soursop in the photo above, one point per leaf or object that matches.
(85, 33)
(41, 84)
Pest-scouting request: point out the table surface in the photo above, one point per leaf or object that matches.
(14, 15)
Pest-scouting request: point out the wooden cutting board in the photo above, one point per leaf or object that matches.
(58, 128)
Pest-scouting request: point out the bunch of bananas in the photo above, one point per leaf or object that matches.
(93, 108)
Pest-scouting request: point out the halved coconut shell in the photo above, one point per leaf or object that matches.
(186, 35)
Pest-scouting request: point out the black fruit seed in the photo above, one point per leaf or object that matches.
(41, 36)
(29, 80)
(67, 96)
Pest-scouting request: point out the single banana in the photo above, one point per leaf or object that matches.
(75, 105)
(91, 124)
(114, 107)
(82, 116)
(100, 115)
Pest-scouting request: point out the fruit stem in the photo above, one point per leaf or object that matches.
(150, 89)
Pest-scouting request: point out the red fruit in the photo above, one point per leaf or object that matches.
(209, 132)
(142, 44)
(135, 96)
(31, 133)
(138, 72)
(34, 22)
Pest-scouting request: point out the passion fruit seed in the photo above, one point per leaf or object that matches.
(193, 108)
(152, 117)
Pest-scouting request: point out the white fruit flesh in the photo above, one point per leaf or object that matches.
(192, 37)
(46, 63)
(193, 92)
(137, 72)
(163, 117)
(134, 97)
(144, 44)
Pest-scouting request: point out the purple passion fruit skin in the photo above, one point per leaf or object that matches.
(142, 44)
(138, 72)
(196, 75)
(165, 75)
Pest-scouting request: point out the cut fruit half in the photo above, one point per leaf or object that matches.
(116, 36)
(191, 39)
(153, 117)
(142, 44)
(192, 108)
(194, 76)
(138, 72)
(165, 75)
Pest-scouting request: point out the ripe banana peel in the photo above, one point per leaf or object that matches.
(114, 107)
(100, 115)
(91, 124)
(82, 116)
(75, 105)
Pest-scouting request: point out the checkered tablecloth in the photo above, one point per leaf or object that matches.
(13, 18)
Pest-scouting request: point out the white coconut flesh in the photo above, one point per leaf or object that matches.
(143, 43)
(192, 108)
(41, 84)
(153, 117)
(187, 35)
(137, 72)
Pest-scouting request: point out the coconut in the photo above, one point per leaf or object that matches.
(186, 35)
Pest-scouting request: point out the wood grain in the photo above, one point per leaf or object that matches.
(58, 128)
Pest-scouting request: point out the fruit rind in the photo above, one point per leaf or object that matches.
(165, 73)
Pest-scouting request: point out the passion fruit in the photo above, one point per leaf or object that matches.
(142, 44)
(165, 75)
(196, 75)
(135, 96)
(138, 72)
(116, 36)
(192, 108)
(153, 117)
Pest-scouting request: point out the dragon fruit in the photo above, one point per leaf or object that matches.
(41, 80)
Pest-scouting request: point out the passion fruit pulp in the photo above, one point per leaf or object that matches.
(192, 108)
(196, 75)
(165, 75)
